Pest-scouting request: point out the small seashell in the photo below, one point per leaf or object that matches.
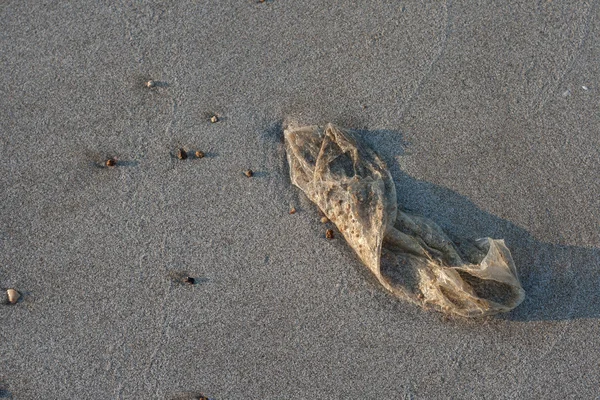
(150, 84)
(189, 280)
(111, 162)
(200, 154)
(181, 154)
(324, 220)
(214, 119)
(329, 233)
(249, 173)
(13, 296)
(293, 210)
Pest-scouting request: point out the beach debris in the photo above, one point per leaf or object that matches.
(184, 278)
(13, 296)
(111, 162)
(293, 210)
(329, 234)
(189, 280)
(214, 119)
(150, 84)
(249, 173)
(410, 255)
(324, 220)
(585, 88)
(182, 154)
(200, 154)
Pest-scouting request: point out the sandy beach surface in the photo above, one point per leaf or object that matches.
(486, 113)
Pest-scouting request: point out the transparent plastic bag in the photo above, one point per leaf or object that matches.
(410, 255)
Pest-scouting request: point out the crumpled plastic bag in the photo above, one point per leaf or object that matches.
(410, 255)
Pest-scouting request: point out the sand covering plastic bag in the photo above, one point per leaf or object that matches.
(410, 255)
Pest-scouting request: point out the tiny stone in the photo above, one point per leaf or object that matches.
(111, 162)
(249, 173)
(214, 119)
(324, 220)
(199, 154)
(293, 210)
(13, 296)
(329, 233)
(190, 280)
(150, 83)
(181, 154)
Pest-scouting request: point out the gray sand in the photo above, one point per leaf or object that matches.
(480, 112)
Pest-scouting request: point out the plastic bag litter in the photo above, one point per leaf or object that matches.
(410, 255)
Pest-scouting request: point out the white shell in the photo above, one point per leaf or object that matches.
(13, 296)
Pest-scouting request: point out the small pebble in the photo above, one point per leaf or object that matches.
(13, 296)
(190, 280)
(293, 210)
(249, 173)
(200, 154)
(324, 220)
(584, 87)
(329, 233)
(181, 154)
(150, 83)
(111, 162)
(214, 119)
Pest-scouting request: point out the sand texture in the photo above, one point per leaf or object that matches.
(487, 116)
